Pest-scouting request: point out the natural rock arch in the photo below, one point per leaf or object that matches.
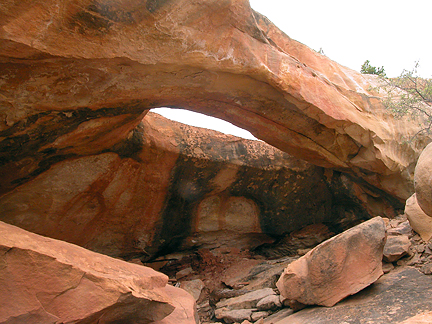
(92, 64)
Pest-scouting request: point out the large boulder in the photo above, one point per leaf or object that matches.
(48, 281)
(403, 296)
(423, 180)
(419, 221)
(338, 267)
(78, 75)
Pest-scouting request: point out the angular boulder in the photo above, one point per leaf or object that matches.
(193, 287)
(271, 302)
(396, 247)
(338, 267)
(419, 221)
(248, 300)
(233, 315)
(185, 311)
(48, 281)
(395, 298)
(423, 180)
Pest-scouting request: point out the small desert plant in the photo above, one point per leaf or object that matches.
(366, 68)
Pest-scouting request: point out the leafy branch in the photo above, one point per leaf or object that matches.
(409, 95)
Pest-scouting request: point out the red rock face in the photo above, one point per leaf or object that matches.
(78, 164)
(76, 77)
(170, 185)
(423, 180)
(338, 267)
(49, 281)
(418, 220)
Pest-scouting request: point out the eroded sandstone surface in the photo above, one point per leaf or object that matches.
(82, 160)
(423, 180)
(338, 267)
(171, 186)
(49, 281)
(77, 76)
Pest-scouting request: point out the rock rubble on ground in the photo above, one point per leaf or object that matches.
(249, 296)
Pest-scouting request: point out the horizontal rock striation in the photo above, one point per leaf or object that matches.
(77, 76)
(170, 185)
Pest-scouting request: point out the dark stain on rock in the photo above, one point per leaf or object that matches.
(285, 209)
(26, 138)
(42, 166)
(132, 146)
(349, 209)
(288, 199)
(85, 22)
(189, 185)
(332, 202)
(111, 14)
(99, 17)
(155, 5)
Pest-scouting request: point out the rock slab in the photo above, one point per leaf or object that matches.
(47, 281)
(396, 247)
(185, 311)
(386, 301)
(249, 300)
(338, 267)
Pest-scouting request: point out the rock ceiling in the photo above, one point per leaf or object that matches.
(77, 76)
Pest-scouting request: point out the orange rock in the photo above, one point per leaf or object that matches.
(418, 220)
(338, 267)
(79, 75)
(423, 318)
(171, 184)
(185, 311)
(48, 281)
(423, 180)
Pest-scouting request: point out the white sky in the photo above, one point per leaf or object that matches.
(390, 33)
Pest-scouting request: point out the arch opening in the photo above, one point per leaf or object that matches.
(204, 121)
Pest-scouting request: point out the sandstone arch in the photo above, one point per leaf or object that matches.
(68, 67)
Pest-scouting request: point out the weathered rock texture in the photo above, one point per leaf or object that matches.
(419, 221)
(185, 311)
(76, 76)
(170, 185)
(396, 247)
(48, 281)
(394, 298)
(423, 180)
(423, 318)
(338, 267)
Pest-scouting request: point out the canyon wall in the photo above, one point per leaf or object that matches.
(170, 185)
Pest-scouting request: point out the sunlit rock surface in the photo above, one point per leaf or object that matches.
(337, 268)
(77, 76)
(170, 185)
(49, 281)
